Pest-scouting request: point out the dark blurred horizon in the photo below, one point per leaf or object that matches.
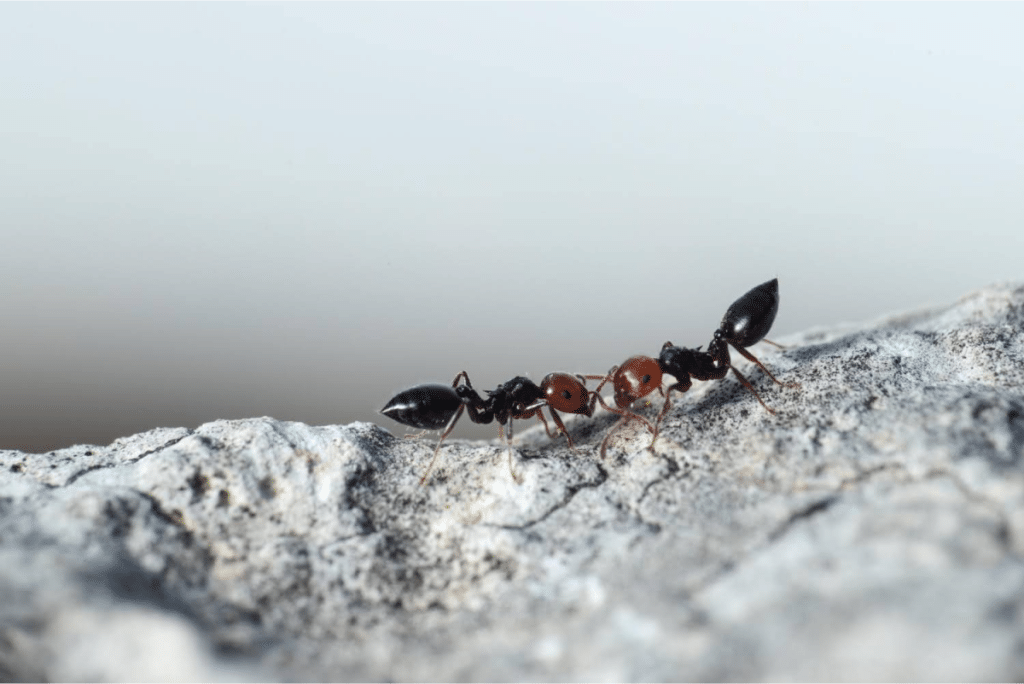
(224, 211)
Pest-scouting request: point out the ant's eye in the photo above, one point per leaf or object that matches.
(647, 379)
(566, 394)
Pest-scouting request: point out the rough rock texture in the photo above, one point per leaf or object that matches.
(873, 528)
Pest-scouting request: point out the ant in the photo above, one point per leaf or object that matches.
(745, 323)
(434, 406)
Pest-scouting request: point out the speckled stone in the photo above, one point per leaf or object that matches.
(872, 528)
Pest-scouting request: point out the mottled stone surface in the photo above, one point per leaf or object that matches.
(872, 528)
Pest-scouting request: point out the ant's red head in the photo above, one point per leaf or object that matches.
(565, 393)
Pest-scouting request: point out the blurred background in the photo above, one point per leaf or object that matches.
(232, 210)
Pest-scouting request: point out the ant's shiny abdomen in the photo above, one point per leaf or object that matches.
(427, 407)
(750, 317)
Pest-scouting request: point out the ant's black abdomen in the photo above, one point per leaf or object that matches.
(750, 317)
(428, 407)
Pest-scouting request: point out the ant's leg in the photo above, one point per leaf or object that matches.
(605, 379)
(626, 417)
(508, 440)
(774, 344)
(629, 415)
(547, 428)
(713, 364)
(718, 350)
(583, 379)
(437, 449)
(751, 357)
(746, 383)
(680, 387)
(611, 431)
(477, 406)
(595, 395)
(561, 426)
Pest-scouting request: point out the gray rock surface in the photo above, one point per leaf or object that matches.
(873, 528)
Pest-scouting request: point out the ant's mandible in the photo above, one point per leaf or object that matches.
(435, 406)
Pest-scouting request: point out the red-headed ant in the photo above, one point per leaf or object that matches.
(434, 406)
(745, 323)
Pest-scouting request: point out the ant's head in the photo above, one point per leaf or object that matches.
(637, 377)
(565, 393)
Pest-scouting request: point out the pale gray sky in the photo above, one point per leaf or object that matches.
(227, 210)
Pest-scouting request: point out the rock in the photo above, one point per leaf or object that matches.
(872, 528)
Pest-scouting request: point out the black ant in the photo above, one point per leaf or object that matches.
(434, 406)
(745, 323)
